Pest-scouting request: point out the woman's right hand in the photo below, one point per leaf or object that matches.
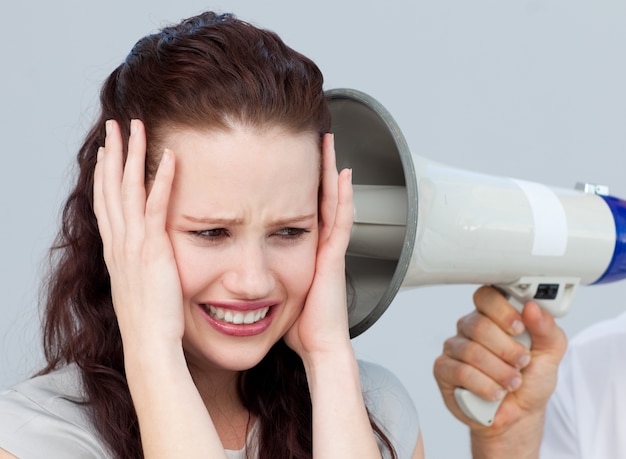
(145, 285)
(147, 297)
(484, 358)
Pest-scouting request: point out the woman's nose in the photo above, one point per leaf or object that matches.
(249, 276)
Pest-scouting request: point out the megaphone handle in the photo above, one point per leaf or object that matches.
(475, 407)
(552, 294)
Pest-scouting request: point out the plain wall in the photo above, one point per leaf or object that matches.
(532, 89)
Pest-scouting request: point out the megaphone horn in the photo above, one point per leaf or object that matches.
(418, 222)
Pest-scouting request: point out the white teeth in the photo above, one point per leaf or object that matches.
(250, 318)
(235, 317)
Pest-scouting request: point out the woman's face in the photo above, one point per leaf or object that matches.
(243, 221)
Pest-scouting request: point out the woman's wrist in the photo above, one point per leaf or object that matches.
(341, 424)
(143, 359)
(334, 355)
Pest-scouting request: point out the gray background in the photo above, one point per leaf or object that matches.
(532, 89)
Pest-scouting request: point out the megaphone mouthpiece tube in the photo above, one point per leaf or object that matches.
(380, 215)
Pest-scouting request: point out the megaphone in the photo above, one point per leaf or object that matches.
(418, 222)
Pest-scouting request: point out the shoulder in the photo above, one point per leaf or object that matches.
(379, 380)
(582, 368)
(47, 415)
(606, 338)
(604, 333)
(584, 415)
(390, 405)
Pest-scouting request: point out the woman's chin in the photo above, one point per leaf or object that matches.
(236, 355)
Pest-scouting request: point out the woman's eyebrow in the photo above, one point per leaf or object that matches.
(214, 221)
(295, 219)
(238, 221)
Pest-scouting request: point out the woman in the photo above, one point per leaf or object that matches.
(198, 303)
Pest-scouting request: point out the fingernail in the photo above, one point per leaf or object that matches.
(133, 127)
(499, 394)
(515, 383)
(107, 126)
(166, 156)
(523, 361)
(518, 327)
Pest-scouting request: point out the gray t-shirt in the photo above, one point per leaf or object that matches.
(44, 417)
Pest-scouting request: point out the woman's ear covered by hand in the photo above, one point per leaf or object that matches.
(320, 335)
(147, 298)
(323, 323)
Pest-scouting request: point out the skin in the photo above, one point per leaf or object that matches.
(246, 190)
(484, 358)
(231, 219)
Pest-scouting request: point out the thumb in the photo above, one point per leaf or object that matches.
(546, 335)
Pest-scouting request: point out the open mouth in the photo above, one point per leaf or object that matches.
(236, 317)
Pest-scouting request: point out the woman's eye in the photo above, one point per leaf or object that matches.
(215, 233)
(291, 233)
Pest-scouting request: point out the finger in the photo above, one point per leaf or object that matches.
(484, 361)
(493, 304)
(481, 329)
(451, 373)
(159, 196)
(133, 184)
(339, 235)
(328, 204)
(99, 206)
(112, 172)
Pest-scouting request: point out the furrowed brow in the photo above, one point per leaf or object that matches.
(238, 221)
(214, 221)
(293, 220)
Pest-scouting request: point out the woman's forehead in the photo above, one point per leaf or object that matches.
(266, 149)
(270, 164)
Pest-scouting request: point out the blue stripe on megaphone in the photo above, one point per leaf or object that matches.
(617, 268)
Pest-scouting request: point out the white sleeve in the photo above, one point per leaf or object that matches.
(391, 406)
(585, 417)
(32, 431)
(559, 433)
(46, 417)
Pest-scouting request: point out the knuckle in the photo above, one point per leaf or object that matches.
(464, 322)
(439, 365)
(447, 345)
(511, 355)
(478, 326)
(473, 353)
(483, 294)
(463, 373)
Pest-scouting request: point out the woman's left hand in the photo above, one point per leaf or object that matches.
(323, 324)
(321, 336)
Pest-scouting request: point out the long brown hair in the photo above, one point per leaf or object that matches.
(208, 71)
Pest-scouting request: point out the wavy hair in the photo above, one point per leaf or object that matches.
(209, 71)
